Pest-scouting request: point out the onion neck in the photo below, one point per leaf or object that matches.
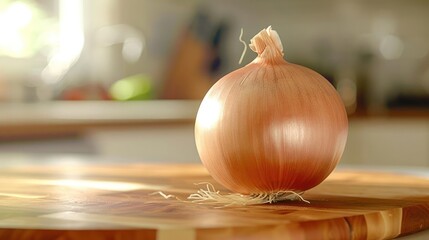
(268, 46)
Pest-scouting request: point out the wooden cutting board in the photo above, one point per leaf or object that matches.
(100, 201)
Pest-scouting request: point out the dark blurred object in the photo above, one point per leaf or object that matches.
(196, 60)
(416, 98)
(220, 31)
(409, 101)
(365, 61)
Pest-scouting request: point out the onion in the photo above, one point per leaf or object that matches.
(271, 126)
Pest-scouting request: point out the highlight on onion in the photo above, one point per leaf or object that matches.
(271, 129)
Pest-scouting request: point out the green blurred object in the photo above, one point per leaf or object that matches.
(136, 87)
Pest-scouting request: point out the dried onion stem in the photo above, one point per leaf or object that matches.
(245, 46)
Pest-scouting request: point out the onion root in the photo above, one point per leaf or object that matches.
(210, 196)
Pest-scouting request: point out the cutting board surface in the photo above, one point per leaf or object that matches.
(116, 201)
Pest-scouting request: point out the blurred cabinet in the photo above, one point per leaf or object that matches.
(163, 142)
(388, 142)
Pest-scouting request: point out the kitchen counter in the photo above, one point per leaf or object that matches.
(152, 130)
(75, 112)
(77, 197)
(58, 118)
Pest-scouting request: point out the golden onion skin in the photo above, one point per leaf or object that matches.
(271, 126)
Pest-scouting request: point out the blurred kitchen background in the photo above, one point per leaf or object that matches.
(123, 78)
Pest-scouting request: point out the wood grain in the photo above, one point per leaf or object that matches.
(67, 200)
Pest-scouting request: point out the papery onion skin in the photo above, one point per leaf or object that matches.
(271, 126)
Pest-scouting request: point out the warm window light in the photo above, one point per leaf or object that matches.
(21, 14)
(71, 40)
(25, 29)
(15, 20)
